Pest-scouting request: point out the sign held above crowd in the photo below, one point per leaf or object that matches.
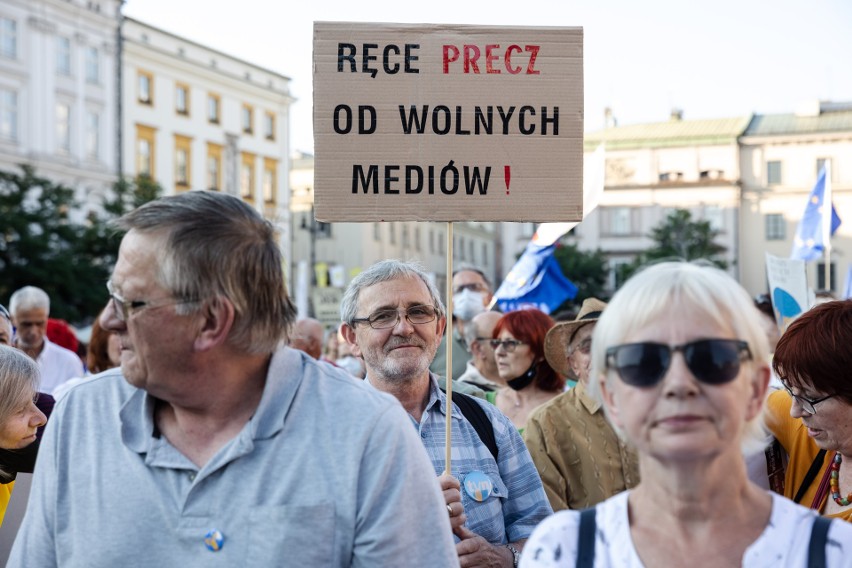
(416, 122)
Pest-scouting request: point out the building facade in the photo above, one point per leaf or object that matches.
(196, 118)
(781, 156)
(58, 91)
(653, 169)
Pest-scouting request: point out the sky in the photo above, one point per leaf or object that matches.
(718, 59)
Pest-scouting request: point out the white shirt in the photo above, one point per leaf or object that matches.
(784, 541)
(57, 365)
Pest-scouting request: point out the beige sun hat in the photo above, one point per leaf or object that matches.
(557, 338)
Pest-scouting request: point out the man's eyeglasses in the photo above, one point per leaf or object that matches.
(5, 313)
(807, 404)
(509, 345)
(474, 287)
(384, 319)
(711, 361)
(125, 308)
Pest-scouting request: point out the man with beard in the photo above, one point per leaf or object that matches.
(393, 318)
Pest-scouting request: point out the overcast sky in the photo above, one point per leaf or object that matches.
(641, 58)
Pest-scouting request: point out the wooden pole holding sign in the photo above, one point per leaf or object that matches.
(448, 342)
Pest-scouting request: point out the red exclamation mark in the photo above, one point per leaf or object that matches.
(507, 175)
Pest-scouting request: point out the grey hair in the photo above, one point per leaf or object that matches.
(692, 288)
(19, 379)
(217, 245)
(384, 271)
(28, 298)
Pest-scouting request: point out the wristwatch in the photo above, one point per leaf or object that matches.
(516, 555)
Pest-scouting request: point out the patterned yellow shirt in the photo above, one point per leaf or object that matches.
(580, 458)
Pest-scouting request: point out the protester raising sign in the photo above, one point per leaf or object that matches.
(447, 123)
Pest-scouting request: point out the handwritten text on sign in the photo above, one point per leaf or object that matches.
(447, 123)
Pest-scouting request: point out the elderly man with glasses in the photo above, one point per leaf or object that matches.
(214, 444)
(393, 318)
(580, 458)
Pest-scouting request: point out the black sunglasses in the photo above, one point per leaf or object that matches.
(711, 361)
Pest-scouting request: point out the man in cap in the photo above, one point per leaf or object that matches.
(580, 458)
(394, 318)
(214, 444)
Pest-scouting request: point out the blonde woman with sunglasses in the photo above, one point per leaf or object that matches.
(678, 359)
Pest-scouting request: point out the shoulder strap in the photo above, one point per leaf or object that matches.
(478, 419)
(586, 538)
(809, 477)
(819, 539)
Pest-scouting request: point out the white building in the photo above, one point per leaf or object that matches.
(653, 169)
(196, 118)
(780, 159)
(58, 101)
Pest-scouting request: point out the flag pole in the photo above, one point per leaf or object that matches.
(826, 226)
(448, 335)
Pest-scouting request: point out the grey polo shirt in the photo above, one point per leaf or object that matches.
(328, 472)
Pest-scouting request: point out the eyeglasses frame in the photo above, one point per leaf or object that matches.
(369, 320)
(125, 308)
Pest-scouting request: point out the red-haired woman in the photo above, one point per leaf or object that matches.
(519, 351)
(813, 418)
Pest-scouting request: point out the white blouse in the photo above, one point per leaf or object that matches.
(784, 541)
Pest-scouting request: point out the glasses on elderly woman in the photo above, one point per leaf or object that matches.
(509, 345)
(807, 404)
(711, 361)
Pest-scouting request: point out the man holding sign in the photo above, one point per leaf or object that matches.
(394, 318)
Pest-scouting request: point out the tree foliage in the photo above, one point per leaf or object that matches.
(587, 270)
(42, 244)
(682, 238)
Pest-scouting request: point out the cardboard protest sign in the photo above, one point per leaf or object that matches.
(447, 123)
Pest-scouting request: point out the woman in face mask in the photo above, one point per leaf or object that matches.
(519, 351)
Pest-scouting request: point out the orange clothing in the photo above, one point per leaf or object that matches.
(801, 449)
(5, 495)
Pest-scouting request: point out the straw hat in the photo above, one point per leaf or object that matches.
(556, 340)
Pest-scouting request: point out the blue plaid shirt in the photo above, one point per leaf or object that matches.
(518, 502)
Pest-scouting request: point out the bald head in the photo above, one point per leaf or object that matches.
(307, 336)
(477, 333)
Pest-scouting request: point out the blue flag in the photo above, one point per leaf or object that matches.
(809, 242)
(536, 281)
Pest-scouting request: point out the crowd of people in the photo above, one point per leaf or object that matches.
(672, 425)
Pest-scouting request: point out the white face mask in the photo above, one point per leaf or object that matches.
(467, 304)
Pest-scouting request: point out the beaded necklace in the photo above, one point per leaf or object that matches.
(834, 482)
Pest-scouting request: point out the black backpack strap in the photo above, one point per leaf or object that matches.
(478, 419)
(809, 477)
(586, 538)
(819, 539)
